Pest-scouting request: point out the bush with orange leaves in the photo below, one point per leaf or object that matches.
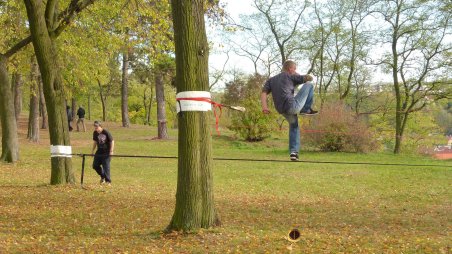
(336, 129)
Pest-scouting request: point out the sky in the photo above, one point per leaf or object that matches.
(216, 61)
(234, 8)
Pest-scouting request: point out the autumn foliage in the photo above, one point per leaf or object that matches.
(338, 129)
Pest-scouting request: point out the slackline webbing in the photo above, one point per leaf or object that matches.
(260, 160)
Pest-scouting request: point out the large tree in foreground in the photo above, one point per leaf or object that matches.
(42, 27)
(45, 26)
(12, 30)
(10, 142)
(194, 196)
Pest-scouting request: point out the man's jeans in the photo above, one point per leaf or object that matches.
(303, 101)
(101, 164)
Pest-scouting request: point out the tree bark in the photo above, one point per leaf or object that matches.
(41, 21)
(42, 104)
(395, 78)
(17, 86)
(194, 196)
(145, 105)
(151, 101)
(161, 113)
(148, 105)
(74, 111)
(124, 90)
(33, 119)
(103, 101)
(10, 142)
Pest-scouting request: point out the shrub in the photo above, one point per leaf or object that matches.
(137, 117)
(337, 129)
(251, 125)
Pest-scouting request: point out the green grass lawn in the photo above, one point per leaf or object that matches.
(337, 208)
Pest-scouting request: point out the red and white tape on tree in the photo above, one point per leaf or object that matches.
(194, 101)
(198, 101)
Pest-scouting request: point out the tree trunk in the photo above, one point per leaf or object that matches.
(42, 104)
(74, 111)
(46, 54)
(352, 63)
(147, 106)
(103, 101)
(321, 84)
(124, 90)
(194, 196)
(398, 121)
(151, 100)
(398, 132)
(17, 86)
(33, 119)
(161, 114)
(10, 142)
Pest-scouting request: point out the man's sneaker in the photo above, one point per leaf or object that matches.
(102, 181)
(309, 112)
(294, 156)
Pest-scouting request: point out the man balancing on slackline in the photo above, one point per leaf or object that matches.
(282, 87)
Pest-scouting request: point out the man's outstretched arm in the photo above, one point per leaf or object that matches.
(264, 103)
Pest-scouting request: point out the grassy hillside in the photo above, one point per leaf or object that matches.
(338, 208)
